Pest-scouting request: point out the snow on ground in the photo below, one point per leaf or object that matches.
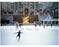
(31, 35)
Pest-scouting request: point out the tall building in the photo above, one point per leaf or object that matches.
(31, 6)
(21, 6)
(55, 9)
(5, 5)
(44, 5)
(32, 10)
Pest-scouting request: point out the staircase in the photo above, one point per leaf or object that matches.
(26, 19)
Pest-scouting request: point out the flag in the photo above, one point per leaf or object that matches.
(24, 11)
(38, 10)
(10, 12)
(18, 11)
(34, 12)
(30, 11)
(44, 11)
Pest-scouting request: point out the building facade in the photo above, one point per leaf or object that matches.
(31, 6)
(19, 9)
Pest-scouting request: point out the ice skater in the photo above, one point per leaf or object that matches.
(18, 35)
(16, 25)
(51, 25)
(20, 25)
(35, 25)
(47, 25)
(43, 26)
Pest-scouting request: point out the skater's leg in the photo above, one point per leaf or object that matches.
(19, 38)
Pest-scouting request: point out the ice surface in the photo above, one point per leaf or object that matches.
(58, 35)
(31, 35)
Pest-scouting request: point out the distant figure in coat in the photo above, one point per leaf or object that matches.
(35, 25)
(51, 25)
(47, 25)
(17, 25)
(20, 25)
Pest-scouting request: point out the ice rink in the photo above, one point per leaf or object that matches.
(31, 35)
